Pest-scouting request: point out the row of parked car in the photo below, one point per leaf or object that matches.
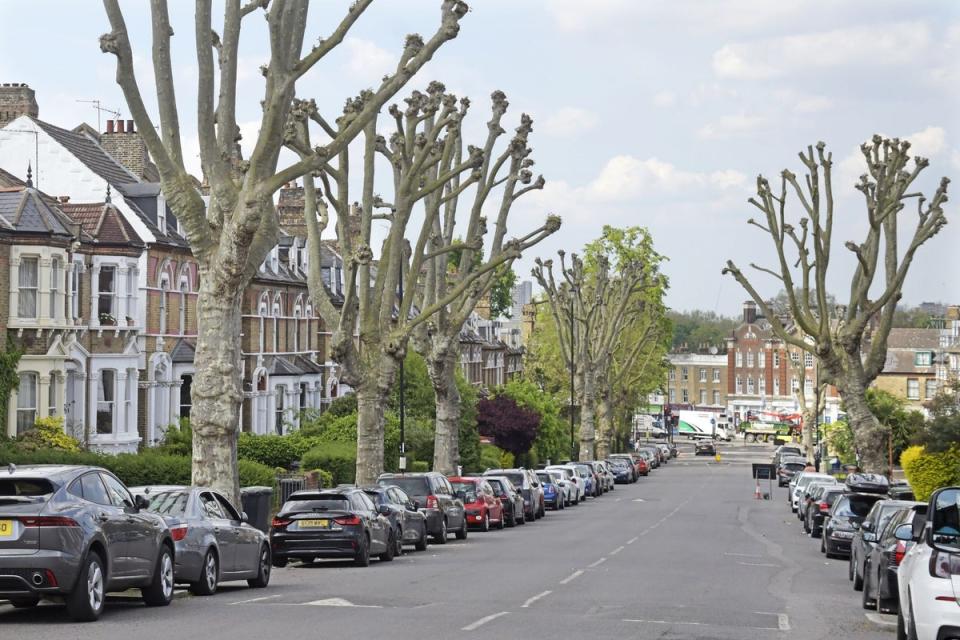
(902, 555)
(75, 533)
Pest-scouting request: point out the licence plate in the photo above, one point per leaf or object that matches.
(6, 528)
(314, 524)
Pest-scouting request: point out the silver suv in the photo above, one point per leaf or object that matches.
(75, 533)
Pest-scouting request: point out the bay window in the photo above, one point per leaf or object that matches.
(28, 283)
(26, 402)
(55, 277)
(52, 396)
(107, 295)
(278, 425)
(106, 401)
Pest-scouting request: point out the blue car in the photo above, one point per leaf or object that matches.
(552, 493)
(585, 471)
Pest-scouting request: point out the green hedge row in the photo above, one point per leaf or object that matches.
(926, 472)
(136, 469)
(338, 458)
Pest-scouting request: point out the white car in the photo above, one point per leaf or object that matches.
(803, 479)
(572, 474)
(568, 488)
(929, 575)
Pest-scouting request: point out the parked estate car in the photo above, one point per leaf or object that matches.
(212, 541)
(529, 487)
(510, 499)
(841, 523)
(331, 523)
(409, 523)
(594, 488)
(483, 505)
(827, 494)
(622, 470)
(930, 571)
(883, 562)
(567, 488)
(867, 536)
(552, 493)
(705, 448)
(799, 484)
(77, 532)
(432, 493)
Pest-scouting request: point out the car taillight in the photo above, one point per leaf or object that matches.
(944, 565)
(48, 521)
(899, 552)
(349, 520)
(824, 507)
(51, 578)
(432, 502)
(178, 533)
(279, 523)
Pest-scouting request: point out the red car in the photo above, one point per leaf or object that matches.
(480, 501)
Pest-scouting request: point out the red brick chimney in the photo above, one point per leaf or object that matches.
(16, 99)
(125, 145)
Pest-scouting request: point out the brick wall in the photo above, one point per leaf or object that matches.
(15, 101)
(125, 146)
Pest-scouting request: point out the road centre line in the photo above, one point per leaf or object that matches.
(530, 601)
(473, 626)
(261, 598)
(632, 540)
(597, 563)
(758, 564)
(617, 550)
(744, 555)
(699, 624)
(573, 576)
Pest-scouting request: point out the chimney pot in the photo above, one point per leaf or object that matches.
(64, 199)
(120, 126)
(109, 126)
(130, 128)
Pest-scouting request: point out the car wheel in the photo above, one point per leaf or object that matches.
(279, 563)
(422, 542)
(857, 577)
(362, 557)
(868, 603)
(441, 537)
(486, 522)
(523, 517)
(85, 602)
(823, 545)
(159, 593)
(398, 543)
(209, 576)
(391, 549)
(462, 533)
(25, 603)
(263, 570)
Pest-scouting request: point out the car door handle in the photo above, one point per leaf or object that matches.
(216, 529)
(103, 516)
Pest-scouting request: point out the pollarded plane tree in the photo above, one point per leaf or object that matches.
(850, 344)
(598, 304)
(232, 233)
(427, 163)
(438, 340)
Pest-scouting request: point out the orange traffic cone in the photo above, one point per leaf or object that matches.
(756, 492)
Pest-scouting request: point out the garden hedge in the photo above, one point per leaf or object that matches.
(339, 458)
(927, 472)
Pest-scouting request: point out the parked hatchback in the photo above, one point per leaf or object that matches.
(529, 487)
(841, 524)
(432, 493)
(510, 499)
(483, 505)
(409, 523)
(77, 532)
(213, 542)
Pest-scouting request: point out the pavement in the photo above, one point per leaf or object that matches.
(685, 553)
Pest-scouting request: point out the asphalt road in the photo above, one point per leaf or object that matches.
(685, 553)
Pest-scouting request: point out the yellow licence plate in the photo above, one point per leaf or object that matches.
(6, 528)
(314, 524)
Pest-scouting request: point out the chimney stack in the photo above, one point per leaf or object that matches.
(130, 128)
(749, 312)
(120, 128)
(122, 142)
(109, 126)
(16, 99)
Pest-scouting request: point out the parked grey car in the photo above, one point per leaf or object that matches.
(213, 542)
(408, 522)
(434, 496)
(76, 532)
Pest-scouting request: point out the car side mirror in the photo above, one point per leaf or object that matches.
(383, 510)
(141, 503)
(867, 525)
(904, 532)
(855, 525)
(244, 517)
(416, 505)
(870, 537)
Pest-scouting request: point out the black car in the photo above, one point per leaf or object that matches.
(510, 498)
(432, 494)
(705, 448)
(622, 470)
(788, 467)
(880, 569)
(901, 491)
(809, 494)
(842, 521)
(868, 532)
(409, 523)
(331, 523)
(529, 487)
(826, 496)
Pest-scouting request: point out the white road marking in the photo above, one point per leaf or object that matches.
(482, 621)
(783, 622)
(699, 624)
(744, 555)
(255, 599)
(530, 601)
(632, 540)
(758, 564)
(639, 500)
(597, 563)
(882, 620)
(340, 602)
(573, 576)
(617, 550)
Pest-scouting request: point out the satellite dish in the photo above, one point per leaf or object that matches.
(713, 351)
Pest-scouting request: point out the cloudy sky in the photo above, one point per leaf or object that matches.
(652, 113)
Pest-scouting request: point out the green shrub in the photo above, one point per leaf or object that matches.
(927, 472)
(326, 478)
(254, 474)
(178, 439)
(271, 450)
(419, 466)
(48, 433)
(489, 457)
(339, 458)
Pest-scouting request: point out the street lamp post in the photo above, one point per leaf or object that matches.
(402, 465)
(573, 448)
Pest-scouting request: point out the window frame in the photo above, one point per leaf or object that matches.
(109, 295)
(56, 271)
(22, 287)
(910, 383)
(35, 409)
(111, 403)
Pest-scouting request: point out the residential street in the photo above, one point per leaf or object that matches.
(685, 553)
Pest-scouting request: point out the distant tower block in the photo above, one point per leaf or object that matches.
(16, 99)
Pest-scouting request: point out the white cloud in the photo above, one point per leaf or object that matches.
(885, 44)
(367, 61)
(626, 176)
(665, 99)
(741, 124)
(569, 121)
(803, 103)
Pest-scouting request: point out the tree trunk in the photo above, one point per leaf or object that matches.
(446, 443)
(217, 393)
(605, 430)
(587, 417)
(370, 431)
(870, 437)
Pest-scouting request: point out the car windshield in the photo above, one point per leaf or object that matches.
(411, 486)
(831, 496)
(169, 503)
(377, 497)
(515, 478)
(794, 466)
(319, 503)
(497, 485)
(469, 490)
(24, 489)
(545, 478)
(855, 506)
